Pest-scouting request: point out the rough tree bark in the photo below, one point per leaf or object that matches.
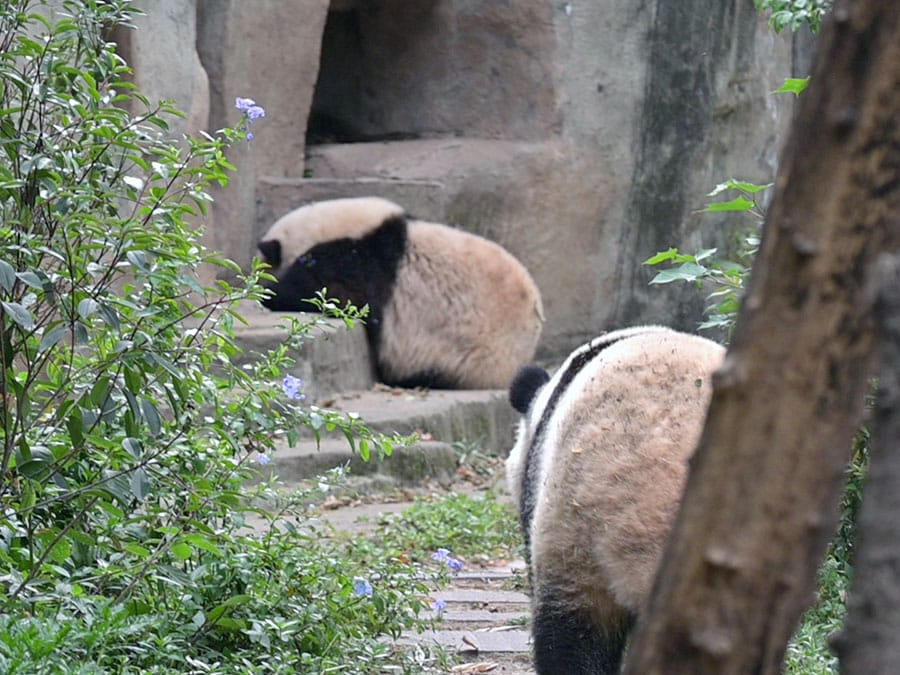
(761, 501)
(869, 643)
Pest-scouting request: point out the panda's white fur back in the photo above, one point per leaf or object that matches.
(609, 445)
(487, 295)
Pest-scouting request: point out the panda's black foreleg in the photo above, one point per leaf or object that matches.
(566, 642)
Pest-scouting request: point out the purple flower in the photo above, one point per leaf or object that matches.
(251, 112)
(263, 459)
(361, 586)
(254, 112)
(291, 386)
(443, 555)
(438, 606)
(244, 104)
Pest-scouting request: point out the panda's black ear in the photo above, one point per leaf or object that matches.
(271, 252)
(525, 385)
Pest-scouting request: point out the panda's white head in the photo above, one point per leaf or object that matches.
(295, 233)
(353, 247)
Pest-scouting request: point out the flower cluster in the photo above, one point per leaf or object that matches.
(291, 386)
(438, 606)
(251, 112)
(443, 555)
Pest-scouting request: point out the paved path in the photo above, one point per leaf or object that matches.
(484, 622)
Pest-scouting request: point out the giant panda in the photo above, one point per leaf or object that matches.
(447, 309)
(597, 470)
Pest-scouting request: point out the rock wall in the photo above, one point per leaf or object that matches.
(581, 135)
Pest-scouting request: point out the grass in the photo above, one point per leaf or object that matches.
(470, 527)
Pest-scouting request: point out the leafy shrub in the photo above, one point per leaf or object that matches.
(727, 276)
(792, 14)
(126, 433)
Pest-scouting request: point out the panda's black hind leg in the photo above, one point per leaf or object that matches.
(567, 642)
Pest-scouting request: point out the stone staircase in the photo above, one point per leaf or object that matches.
(483, 621)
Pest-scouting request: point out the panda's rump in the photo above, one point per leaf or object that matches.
(621, 449)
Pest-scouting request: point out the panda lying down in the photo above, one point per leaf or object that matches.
(447, 308)
(598, 468)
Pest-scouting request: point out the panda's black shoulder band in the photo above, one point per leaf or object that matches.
(525, 385)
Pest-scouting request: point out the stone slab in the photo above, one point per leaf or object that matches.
(332, 359)
(482, 416)
(515, 640)
(481, 596)
(411, 465)
(451, 616)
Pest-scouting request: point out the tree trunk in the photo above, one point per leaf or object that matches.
(761, 501)
(869, 643)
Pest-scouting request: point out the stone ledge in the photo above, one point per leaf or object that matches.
(482, 417)
(333, 359)
(406, 466)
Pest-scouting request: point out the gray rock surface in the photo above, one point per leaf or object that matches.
(583, 136)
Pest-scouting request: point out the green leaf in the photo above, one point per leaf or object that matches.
(19, 314)
(165, 364)
(140, 484)
(685, 272)
(28, 497)
(75, 427)
(134, 182)
(663, 256)
(737, 204)
(31, 279)
(138, 259)
(134, 447)
(133, 379)
(51, 337)
(151, 415)
(109, 315)
(231, 625)
(86, 308)
(364, 450)
(742, 185)
(703, 254)
(61, 552)
(198, 620)
(202, 542)
(793, 85)
(100, 391)
(137, 550)
(215, 614)
(387, 447)
(182, 550)
(7, 276)
(81, 333)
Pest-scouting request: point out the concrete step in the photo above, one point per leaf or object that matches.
(337, 374)
(479, 418)
(332, 359)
